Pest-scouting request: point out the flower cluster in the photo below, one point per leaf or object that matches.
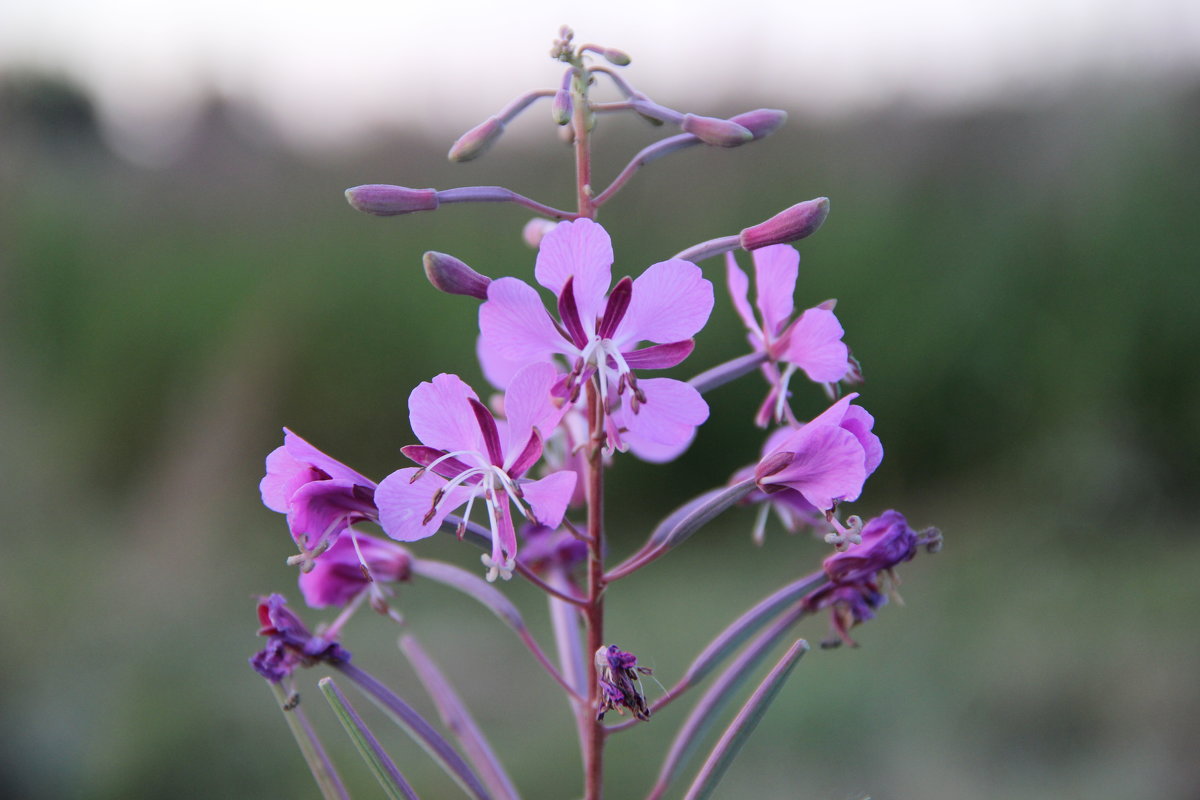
(520, 472)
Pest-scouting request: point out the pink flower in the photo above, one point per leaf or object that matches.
(320, 495)
(338, 576)
(465, 455)
(599, 333)
(811, 343)
(825, 461)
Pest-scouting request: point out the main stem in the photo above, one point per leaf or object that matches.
(593, 610)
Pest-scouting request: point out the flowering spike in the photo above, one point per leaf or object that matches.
(761, 122)
(383, 200)
(474, 142)
(717, 132)
(452, 276)
(789, 225)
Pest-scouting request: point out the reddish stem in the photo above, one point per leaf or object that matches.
(594, 609)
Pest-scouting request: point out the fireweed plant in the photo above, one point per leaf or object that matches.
(520, 473)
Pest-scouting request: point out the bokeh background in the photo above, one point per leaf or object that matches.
(1014, 248)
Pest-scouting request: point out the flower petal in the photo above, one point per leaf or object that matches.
(581, 249)
(285, 474)
(660, 356)
(439, 413)
(548, 497)
(815, 345)
(320, 510)
(306, 453)
(828, 465)
(403, 504)
(775, 270)
(671, 301)
(859, 422)
(665, 424)
(515, 328)
(739, 287)
(529, 404)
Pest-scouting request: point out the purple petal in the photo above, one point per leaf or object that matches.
(425, 456)
(739, 287)
(337, 577)
(660, 356)
(665, 424)
(529, 403)
(487, 427)
(515, 328)
(548, 498)
(439, 413)
(581, 249)
(775, 271)
(859, 422)
(319, 511)
(614, 311)
(828, 465)
(306, 453)
(403, 504)
(527, 456)
(284, 476)
(815, 345)
(834, 414)
(671, 301)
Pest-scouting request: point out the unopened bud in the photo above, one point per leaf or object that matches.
(562, 107)
(452, 276)
(717, 132)
(615, 57)
(761, 122)
(472, 143)
(535, 229)
(788, 225)
(383, 200)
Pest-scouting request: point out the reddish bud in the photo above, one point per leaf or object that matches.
(472, 143)
(717, 132)
(788, 225)
(383, 200)
(452, 276)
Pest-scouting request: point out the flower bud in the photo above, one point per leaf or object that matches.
(562, 107)
(383, 200)
(788, 225)
(615, 57)
(535, 229)
(452, 276)
(761, 122)
(717, 132)
(472, 143)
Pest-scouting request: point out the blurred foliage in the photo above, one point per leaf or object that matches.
(1018, 282)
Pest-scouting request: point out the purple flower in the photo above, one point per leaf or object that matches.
(289, 643)
(320, 495)
(465, 455)
(620, 683)
(339, 575)
(544, 549)
(599, 333)
(886, 541)
(812, 342)
(826, 461)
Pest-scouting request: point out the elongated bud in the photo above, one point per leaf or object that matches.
(788, 225)
(615, 57)
(383, 200)
(717, 132)
(761, 122)
(472, 143)
(453, 276)
(535, 229)
(562, 108)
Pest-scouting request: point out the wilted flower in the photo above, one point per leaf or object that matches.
(289, 643)
(620, 682)
(886, 541)
(849, 603)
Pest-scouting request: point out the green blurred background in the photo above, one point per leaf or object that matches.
(1019, 282)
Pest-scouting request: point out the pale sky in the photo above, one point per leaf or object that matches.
(325, 72)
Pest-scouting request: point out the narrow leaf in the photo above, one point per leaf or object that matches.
(472, 585)
(418, 728)
(695, 515)
(458, 719)
(381, 765)
(743, 724)
(323, 772)
(712, 703)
